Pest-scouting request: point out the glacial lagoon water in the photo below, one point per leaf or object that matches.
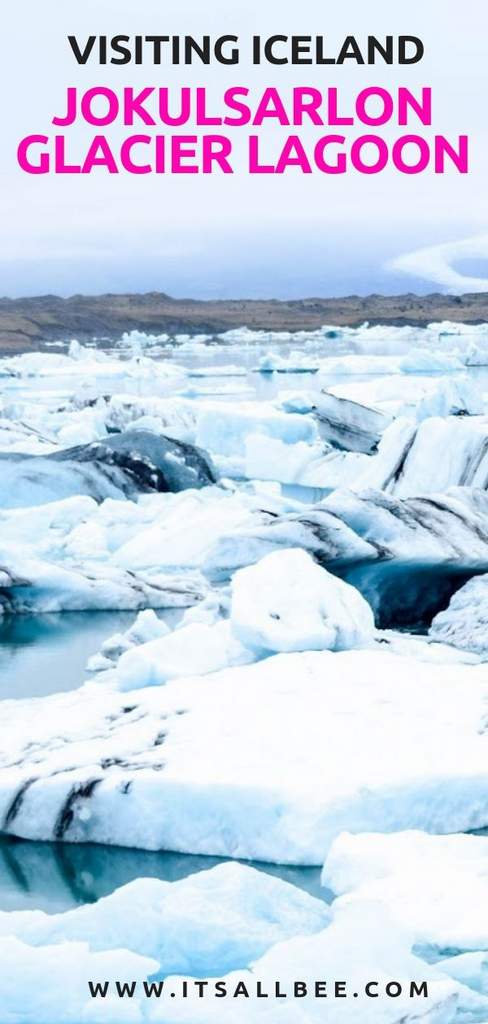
(47, 654)
(58, 876)
(44, 654)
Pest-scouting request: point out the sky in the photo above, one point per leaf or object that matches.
(224, 236)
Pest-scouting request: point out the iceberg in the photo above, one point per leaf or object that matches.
(435, 886)
(82, 361)
(214, 921)
(412, 457)
(268, 761)
(360, 944)
(286, 602)
(121, 465)
(20, 437)
(464, 623)
(222, 428)
(309, 465)
(31, 585)
(75, 554)
(33, 978)
(194, 649)
(414, 360)
(349, 425)
(451, 452)
(295, 362)
(415, 397)
(349, 529)
(172, 416)
(147, 626)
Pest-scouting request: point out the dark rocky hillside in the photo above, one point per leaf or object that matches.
(28, 323)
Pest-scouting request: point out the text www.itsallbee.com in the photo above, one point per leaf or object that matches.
(211, 989)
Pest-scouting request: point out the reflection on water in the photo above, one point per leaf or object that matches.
(57, 876)
(43, 654)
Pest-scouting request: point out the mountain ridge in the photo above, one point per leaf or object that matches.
(26, 324)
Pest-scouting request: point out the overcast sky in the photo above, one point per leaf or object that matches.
(238, 235)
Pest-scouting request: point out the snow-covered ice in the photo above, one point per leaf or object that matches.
(417, 397)
(295, 362)
(367, 936)
(146, 627)
(85, 362)
(214, 921)
(195, 649)
(222, 429)
(268, 761)
(271, 720)
(435, 886)
(289, 603)
(464, 623)
(33, 979)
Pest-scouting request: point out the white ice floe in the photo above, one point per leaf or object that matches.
(122, 465)
(444, 453)
(42, 423)
(477, 355)
(415, 360)
(223, 428)
(16, 436)
(217, 922)
(289, 603)
(87, 363)
(309, 465)
(174, 417)
(33, 979)
(214, 921)
(435, 529)
(218, 371)
(284, 603)
(75, 554)
(296, 401)
(369, 529)
(293, 362)
(269, 761)
(183, 534)
(417, 397)
(147, 626)
(34, 585)
(140, 340)
(423, 648)
(194, 649)
(450, 328)
(464, 624)
(361, 946)
(435, 886)
(412, 458)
